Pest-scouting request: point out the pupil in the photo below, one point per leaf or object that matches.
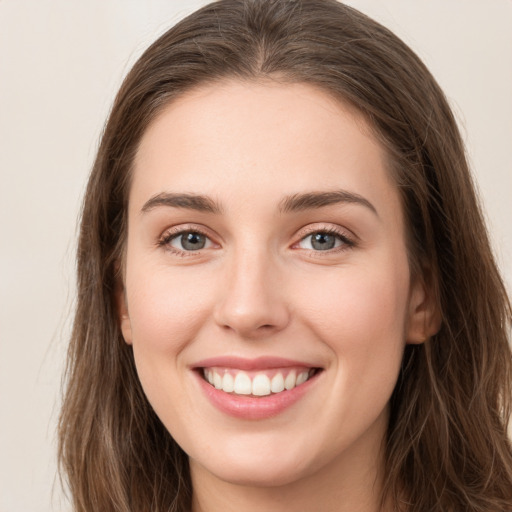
(322, 241)
(193, 241)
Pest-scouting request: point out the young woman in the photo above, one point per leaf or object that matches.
(287, 299)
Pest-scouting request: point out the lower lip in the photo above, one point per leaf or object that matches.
(255, 408)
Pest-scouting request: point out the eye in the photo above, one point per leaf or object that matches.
(187, 241)
(323, 241)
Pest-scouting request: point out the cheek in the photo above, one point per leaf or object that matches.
(357, 302)
(167, 310)
(360, 314)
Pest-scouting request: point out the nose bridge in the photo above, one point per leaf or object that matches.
(251, 302)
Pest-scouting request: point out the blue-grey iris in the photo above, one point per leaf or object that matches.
(193, 241)
(323, 241)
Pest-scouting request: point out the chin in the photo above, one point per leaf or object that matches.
(257, 475)
(270, 466)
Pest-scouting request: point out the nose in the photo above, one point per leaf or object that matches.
(252, 302)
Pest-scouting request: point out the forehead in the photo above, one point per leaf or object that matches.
(264, 138)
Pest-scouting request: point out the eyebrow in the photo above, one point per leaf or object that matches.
(189, 201)
(293, 203)
(313, 200)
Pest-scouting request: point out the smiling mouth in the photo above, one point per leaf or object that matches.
(257, 383)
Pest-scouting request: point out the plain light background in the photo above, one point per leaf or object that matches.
(61, 63)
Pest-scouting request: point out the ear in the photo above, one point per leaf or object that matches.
(424, 318)
(122, 312)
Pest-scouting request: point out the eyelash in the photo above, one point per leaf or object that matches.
(346, 241)
(170, 235)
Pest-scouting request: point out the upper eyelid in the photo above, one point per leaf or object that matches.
(317, 227)
(171, 233)
(348, 238)
(185, 228)
(325, 227)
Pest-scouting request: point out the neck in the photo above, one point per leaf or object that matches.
(352, 482)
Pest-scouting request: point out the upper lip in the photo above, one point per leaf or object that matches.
(259, 363)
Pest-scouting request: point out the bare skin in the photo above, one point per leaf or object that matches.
(263, 223)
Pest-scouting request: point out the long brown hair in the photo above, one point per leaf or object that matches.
(447, 446)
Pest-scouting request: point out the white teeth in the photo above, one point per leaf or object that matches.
(243, 384)
(289, 382)
(217, 380)
(228, 383)
(303, 377)
(261, 385)
(277, 384)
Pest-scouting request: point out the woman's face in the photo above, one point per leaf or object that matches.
(266, 255)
